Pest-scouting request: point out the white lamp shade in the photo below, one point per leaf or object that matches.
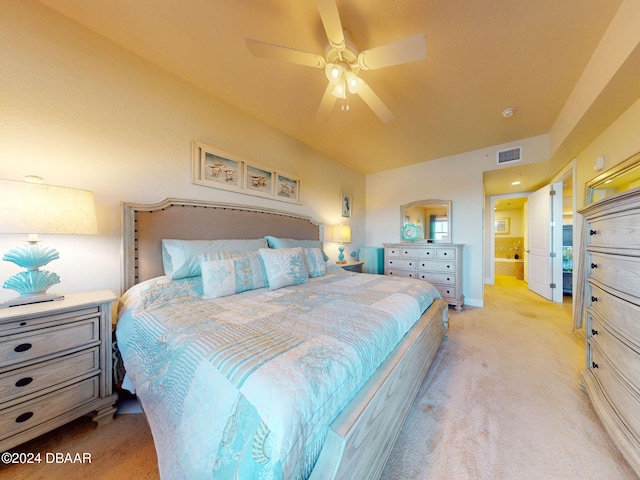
(341, 234)
(35, 208)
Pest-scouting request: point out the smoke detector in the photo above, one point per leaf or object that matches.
(507, 113)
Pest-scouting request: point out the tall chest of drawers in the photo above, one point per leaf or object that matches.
(611, 310)
(55, 365)
(437, 263)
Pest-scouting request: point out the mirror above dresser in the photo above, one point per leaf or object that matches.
(431, 217)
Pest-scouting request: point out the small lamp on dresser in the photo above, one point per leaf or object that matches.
(34, 208)
(341, 235)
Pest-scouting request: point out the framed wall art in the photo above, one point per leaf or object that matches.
(502, 226)
(212, 167)
(345, 202)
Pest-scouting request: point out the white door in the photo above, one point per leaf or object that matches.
(545, 242)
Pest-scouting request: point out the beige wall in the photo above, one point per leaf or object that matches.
(82, 112)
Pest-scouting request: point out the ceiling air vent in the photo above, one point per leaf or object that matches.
(509, 155)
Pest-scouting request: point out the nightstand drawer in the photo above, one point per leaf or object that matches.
(42, 321)
(23, 381)
(32, 413)
(27, 346)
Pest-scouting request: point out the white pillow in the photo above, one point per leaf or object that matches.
(284, 266)
(315, 262)
(181, 257)
(226, 273)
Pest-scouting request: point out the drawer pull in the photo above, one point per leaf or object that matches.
(23, 347)
(444, 253)
(24, 417)
(594, 265)
(448, 266)
(23, 382)
(594, 299)
(594, 331)
(593, 232)
(594, 365)
(23, 324)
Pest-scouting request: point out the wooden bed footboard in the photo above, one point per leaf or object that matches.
(360, 440)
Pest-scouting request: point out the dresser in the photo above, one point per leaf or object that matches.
(55, 365)
(610, 307)
(437, 263)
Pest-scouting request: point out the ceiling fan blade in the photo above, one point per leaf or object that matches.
(375, 104)
(285, 54)
(327, 102)
(332, 25)
(405, 50)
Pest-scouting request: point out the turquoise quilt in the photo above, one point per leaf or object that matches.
(246, 386)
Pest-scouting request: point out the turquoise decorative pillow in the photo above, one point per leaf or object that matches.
(284, 266)
(181, 257)
(315, 262)
(275, 242)
(226, 273)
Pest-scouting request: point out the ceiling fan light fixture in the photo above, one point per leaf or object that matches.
(340, 90)
(354, 83)
(333, 72)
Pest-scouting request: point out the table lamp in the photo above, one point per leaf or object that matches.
(34, 208)
(341, 234)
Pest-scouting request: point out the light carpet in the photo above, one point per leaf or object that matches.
(502, 400)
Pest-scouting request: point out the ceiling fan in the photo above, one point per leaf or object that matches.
(342, 62)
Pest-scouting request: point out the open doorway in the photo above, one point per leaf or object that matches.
(510, 237)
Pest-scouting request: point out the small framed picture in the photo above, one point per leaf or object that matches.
(287, 188)
(345, 202)
(502, 226)
(259, 179)
(216, 168)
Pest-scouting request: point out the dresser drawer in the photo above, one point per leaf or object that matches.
(624, 398)
(29, 414)
(31, 323)
(620, 273)
(623, 318)
(441, 278)
(446, 253)
(447, 292)
(405, 263)
(26, 380)
(437, 266)
(392, 252)
(28, 346)
(426, 252)
(620, 231)
(625, 360)
(398, 272)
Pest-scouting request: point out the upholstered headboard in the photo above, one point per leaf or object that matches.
(144, 227)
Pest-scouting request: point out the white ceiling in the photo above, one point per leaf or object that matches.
(482, 57)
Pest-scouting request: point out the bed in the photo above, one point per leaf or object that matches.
(283, 377)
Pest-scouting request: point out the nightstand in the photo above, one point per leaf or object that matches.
(352, 266)
(55, 365)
